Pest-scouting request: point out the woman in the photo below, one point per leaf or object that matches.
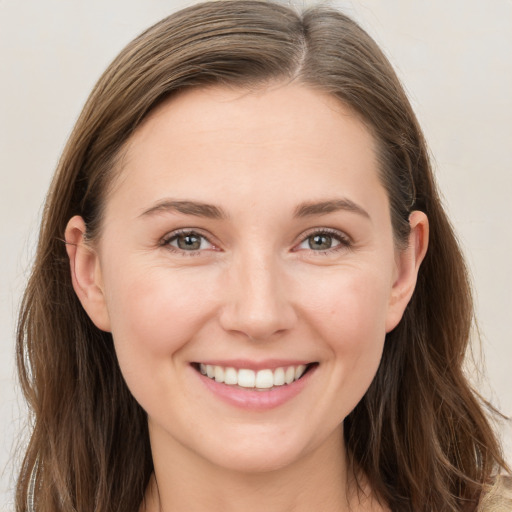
(245, 281)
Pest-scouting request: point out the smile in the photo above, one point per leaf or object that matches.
(264, 379)
(255, 386)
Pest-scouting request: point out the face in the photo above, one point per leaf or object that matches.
(247, 237)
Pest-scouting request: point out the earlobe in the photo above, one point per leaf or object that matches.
(408, 265)
(86, 273)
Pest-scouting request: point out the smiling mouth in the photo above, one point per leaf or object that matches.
(261, 380)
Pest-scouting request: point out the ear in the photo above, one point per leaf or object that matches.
(86, 273)
(408, 264)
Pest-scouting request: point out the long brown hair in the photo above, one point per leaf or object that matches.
(419, 435)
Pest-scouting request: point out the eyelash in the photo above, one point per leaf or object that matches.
(166, 241)
(344, 241)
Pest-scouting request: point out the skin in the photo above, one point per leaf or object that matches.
(256, 289)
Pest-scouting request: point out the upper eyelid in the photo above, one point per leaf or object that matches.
(343, 236)
(330, 231)
(345, 243)
(166, 239)
(185, 231)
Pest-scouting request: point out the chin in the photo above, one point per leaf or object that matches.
(257, 461)
(266, 452)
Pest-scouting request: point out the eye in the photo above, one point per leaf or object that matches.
(188, 241)
(324, 241)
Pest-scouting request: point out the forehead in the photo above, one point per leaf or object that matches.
(276, 142)
(279, 109)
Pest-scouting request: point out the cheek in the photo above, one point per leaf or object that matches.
(349, 307)
(155, 312)
(348, 313)
(357, 330)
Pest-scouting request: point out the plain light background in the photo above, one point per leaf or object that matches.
(454, 56)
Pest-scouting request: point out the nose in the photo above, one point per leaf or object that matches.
(257, 302)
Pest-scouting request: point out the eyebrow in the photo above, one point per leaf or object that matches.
(308, 209)
(197, 209)
(305, 209)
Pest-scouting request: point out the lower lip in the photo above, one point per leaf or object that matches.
(256, 400)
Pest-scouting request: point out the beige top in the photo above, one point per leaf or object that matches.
(499, 498)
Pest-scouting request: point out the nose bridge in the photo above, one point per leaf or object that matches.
(258, 304)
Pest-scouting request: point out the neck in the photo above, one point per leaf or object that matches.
(320, 480)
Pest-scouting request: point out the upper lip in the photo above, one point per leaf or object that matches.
(266, 364)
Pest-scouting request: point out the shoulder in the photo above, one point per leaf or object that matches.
(499, 496)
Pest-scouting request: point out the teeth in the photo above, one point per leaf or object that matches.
(246, 378)
(218, 373)
(262, 379)
(299, 371)
(279, 377)
(230, 376)
(289, 376)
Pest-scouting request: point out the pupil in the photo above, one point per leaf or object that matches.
(188, 242)
(320, 242)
